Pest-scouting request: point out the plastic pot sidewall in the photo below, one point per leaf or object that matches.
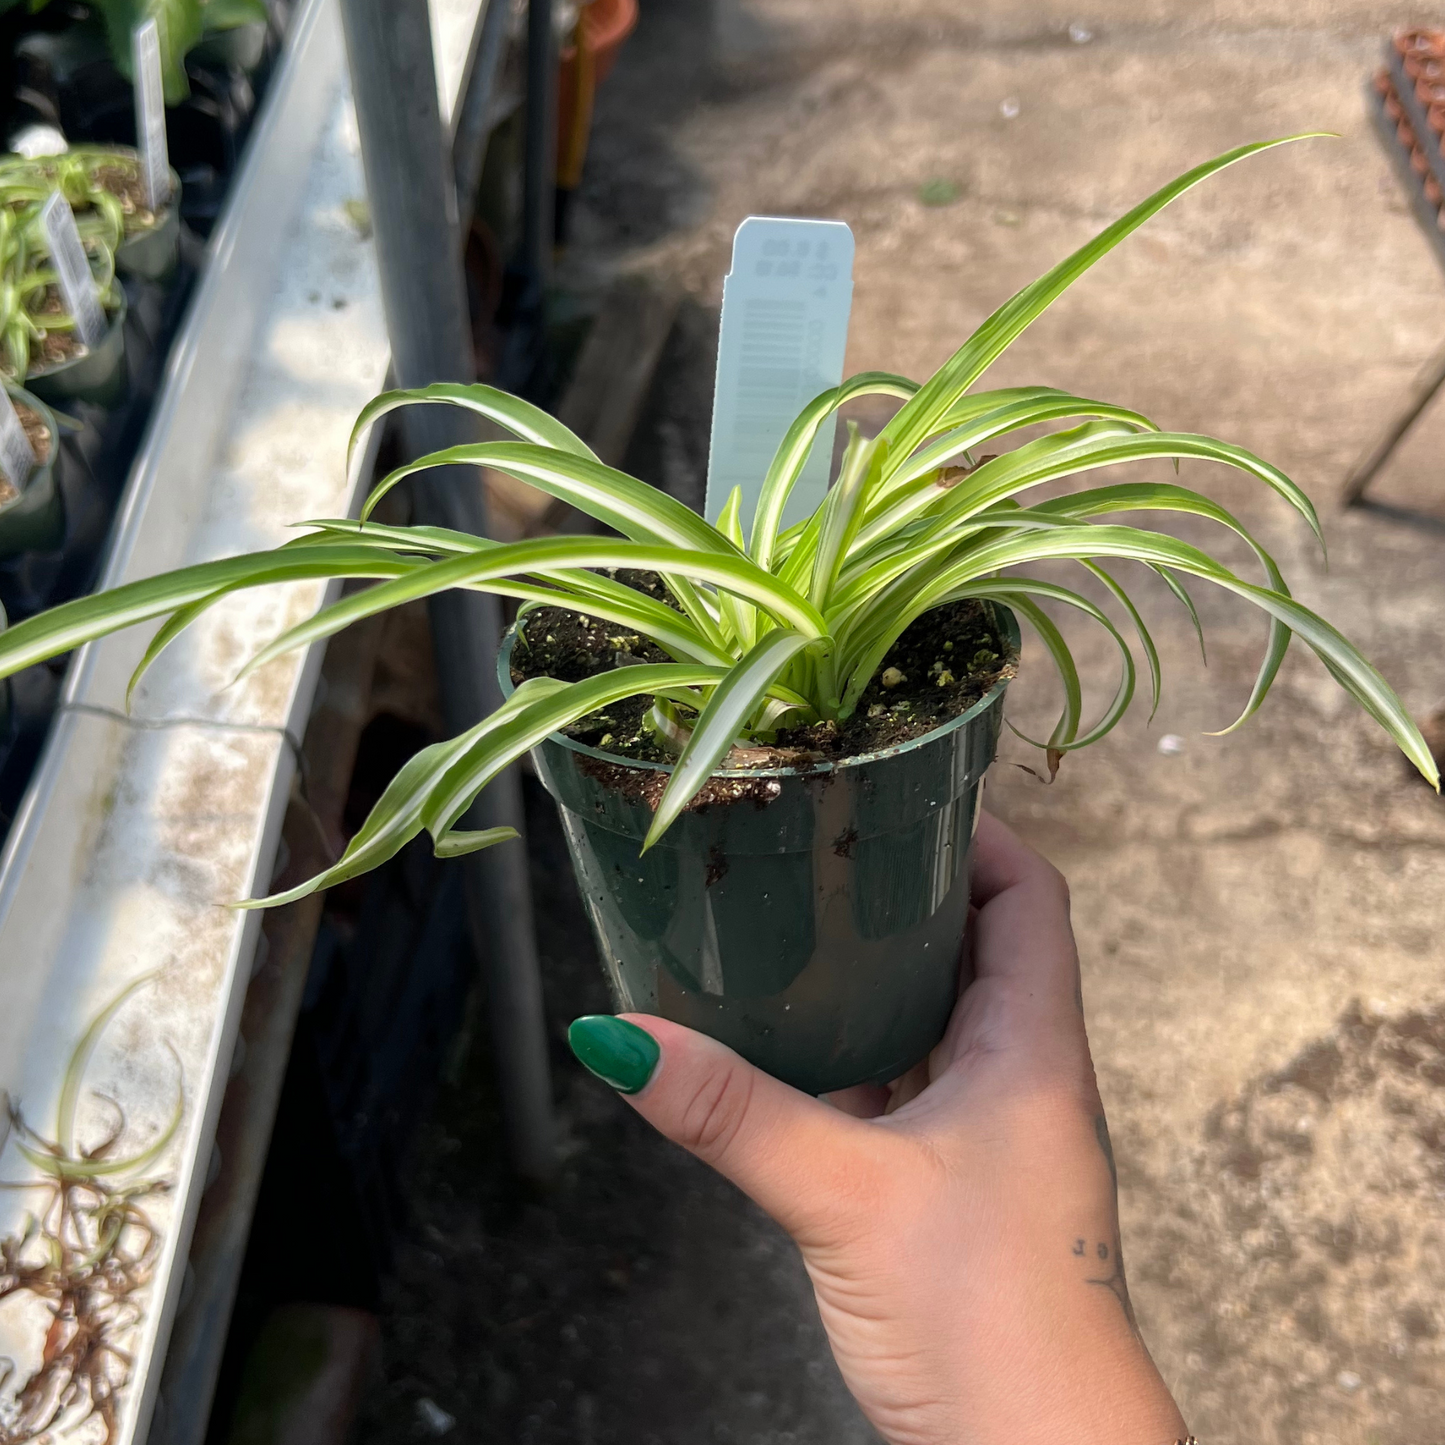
(35, 520)
(151, 255)
(99, 376)
(815, 926)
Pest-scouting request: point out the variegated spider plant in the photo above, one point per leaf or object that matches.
(770, 624)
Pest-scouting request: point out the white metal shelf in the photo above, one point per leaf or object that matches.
(139, 828)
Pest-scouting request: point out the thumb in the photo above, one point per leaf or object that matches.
(797, 1157)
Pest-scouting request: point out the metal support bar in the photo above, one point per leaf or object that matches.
(1422, 393)
(539, 176)
(409, 180)
(476, 110)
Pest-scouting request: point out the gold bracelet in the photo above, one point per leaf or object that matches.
(1188, 1440)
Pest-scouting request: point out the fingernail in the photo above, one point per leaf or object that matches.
(619, 1053)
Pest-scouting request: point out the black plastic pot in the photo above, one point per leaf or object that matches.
(816, 925)
(241, 48)
(34, 519)
(99, 376)
(151, 255)
(71, 82)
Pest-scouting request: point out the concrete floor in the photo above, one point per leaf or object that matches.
(1261, 916)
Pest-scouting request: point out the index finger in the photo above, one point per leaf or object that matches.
(1022, 930)
(1002, 860)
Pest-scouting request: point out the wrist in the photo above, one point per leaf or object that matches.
(1093, 1383)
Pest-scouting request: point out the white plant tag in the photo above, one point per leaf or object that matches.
(784, 330)
(17, 456)
(150, 113)
(77, 285)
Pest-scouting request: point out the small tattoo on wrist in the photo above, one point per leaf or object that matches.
(1104, 1251)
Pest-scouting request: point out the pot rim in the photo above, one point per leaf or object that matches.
(1008, 625)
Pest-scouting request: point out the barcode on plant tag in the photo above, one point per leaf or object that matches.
(17, 456)
(784, 330)
(77, 285)
(150, 112)
(770, 376)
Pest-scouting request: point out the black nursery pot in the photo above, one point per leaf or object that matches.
(151, 255)
(33, 519)
(98, 375)
(816, 924)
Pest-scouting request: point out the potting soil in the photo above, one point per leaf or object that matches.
(941, 665)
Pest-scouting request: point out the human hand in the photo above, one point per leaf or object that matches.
(960, 1226)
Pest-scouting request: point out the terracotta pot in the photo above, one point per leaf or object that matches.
(1393, 108)
(1413, 39)
(602, 26)
(1405, 135)
(1419, 162)
(1430, 92)
(1432, 190)
(1416, 44)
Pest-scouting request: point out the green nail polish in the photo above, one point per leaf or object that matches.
(619, 1053)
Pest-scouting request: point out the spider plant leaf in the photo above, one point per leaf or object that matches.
(733, 702)
(1151, 653)
(396, 817)
(739, 617)
(410, 538)
(539, 556)
(1064, 454)
(449, 798)
(1101, 444)
(73, 1166)
(621, 502)
(609, 599)
(80, 1056)
(842, 512)
(1167, 496)
(519, 417)
(1360, 678)
(167, 633)
(48, 634)
(919, 418)
(792, 454)
(1039, 406)
(699, 607)
(455, 844)
(614, 601)
(1182, 593)
(1067, 727)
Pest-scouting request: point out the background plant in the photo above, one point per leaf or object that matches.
(773, 626)
(86, 1252)
(85, 176)
(26, 273)
(182, 25)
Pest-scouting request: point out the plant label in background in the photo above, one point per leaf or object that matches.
(784, 330)
(150, 113)
(17, 456)
(72, 269)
